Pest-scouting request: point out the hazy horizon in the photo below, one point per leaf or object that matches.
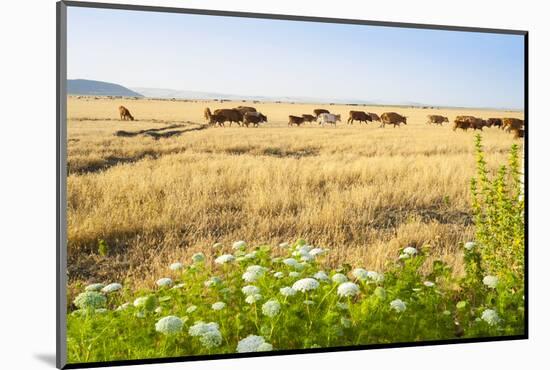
(276, 58)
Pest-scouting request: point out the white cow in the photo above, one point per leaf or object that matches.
(328, 118)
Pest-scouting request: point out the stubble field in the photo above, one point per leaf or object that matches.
(362, 191)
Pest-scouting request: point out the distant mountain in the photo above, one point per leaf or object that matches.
(202, 95)
(100, 88)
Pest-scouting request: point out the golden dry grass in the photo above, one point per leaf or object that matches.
(362, 191)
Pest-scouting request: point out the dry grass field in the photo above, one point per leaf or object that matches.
(362, 191)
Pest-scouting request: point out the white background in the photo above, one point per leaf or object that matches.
(27, 181)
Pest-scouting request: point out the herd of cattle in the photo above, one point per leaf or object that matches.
(247, 116)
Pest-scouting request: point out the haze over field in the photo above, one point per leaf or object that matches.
(273, 58)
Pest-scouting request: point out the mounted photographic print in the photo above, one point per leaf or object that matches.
(235, 184)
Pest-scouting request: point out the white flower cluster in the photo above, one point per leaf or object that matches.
(253, 298)
(490, 317)
(218, 306)
(238, 245)
(469, 245)
(287, 291)
(291, 262)
(376, 276)
(124, 306)
(90, 299)
(140, 301)
(224, 258)
(176, 266)
(113, 287)
(491, 281)
(339, 278)
(360, 274)
(271, 308)
(411, 251)
(305, 285)
(253, 343)
(169, 325)
(279, 275)
(408, 252)
(348, 289)
(213, 281)
(198, 257)
(317, 252)
(164, 282)
(208, 333)
(250, 289)
(398, 305)
(253, 273)
(94, 287)
(284, 245)
(429, 284)
(191, 309)
(321, 276)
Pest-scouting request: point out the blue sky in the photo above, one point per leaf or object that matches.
(304, 59)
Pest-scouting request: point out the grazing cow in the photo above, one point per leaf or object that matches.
(328, 118)
(392, 118)
(374, 117)
(220, 116)
(253, 117)
(295, 120)
(357, 115)
(230, 115)
(497, 122)
(125, 114)
(518, 133)
(308, 118)
(436, 119)
(317, 112)
(464, 125)
(478, 124)
(466, 122)
(214, 119)
(244, 109)
(512, 124)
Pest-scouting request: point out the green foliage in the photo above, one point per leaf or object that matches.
(102, 248)
(498, 209)
(437, 305)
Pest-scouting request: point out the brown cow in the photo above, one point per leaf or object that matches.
(374, 117)
(308, 118)
(125, 114)
(466, 122)
(357, 115)
(220, 116)
(518, 133)
(253, 117)
(436, 119)
(214, 119)
(509, 124)
(244, 109)
(294, 120)
(478, 124)
(497, 122)
(464, 125)
(392, 118)
(230, 115)
(317, 112)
